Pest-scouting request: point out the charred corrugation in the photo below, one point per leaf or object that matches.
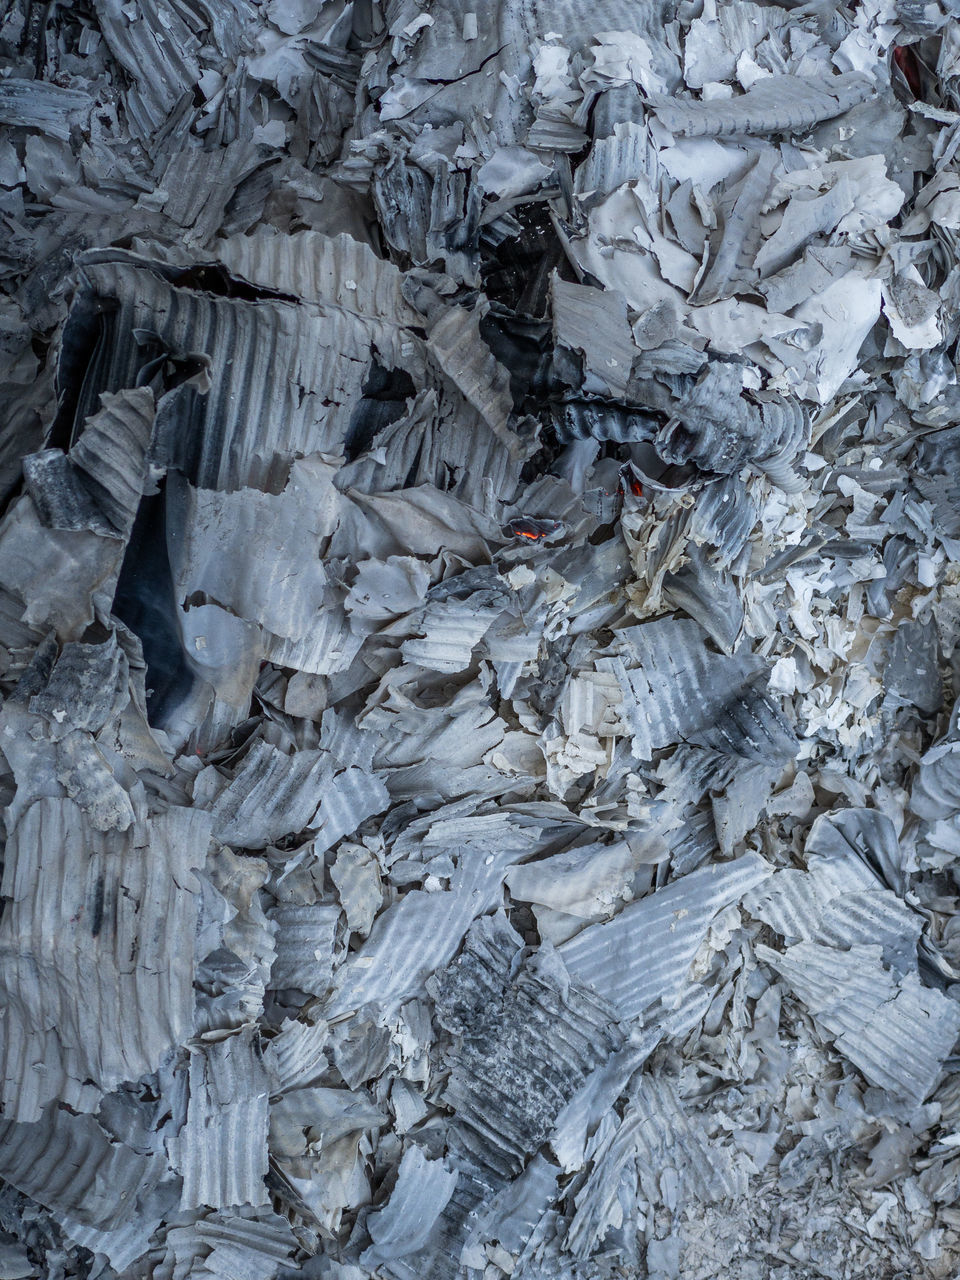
(60, 498)
(936, 787)
(603, 420)
(693, 843)
(840, 908)
(790, 902)
(258, 555)
(439, 1258)
(513, 1215)
(409, 941)
(282, 378)
(778, 104)
(158, 51)
(84, 940)
(349, 799)
(595, 323)
(221, 1151)
(708, 596)
(897, 1032)
(122, 1246)
(751, 725)
(111, 456)
(719, 429)
(736, 239)
(65, 574)
(657, 1132)
(87, 681)
(75, 725)
(672, 685)
(434, 217)
(422, 1192)
(328, 648)
(304, 941)
(463, 359)
(248, 1243)
(271, 794)
(521, 1045)
(722, 519)
(296, 1055)
(36, 104)
(431, 444)
(873, 916)
(197, 184)
(320, 268)
(643, 955)
(69, 1164)
(451, 631)
(617, 158)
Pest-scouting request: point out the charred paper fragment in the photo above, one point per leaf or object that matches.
(71, 1165)
(423, 1190)
(92, 994)
(719, 429)
(777, 104)
(505, 1087)
(221, 1152)
(896, 1033)
(671, 923)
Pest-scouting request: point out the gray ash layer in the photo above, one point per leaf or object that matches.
(479, 640)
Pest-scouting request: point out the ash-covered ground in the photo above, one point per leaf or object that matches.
(479, 621)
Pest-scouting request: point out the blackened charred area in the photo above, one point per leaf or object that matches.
(516, 270)
(101, 353)
(89, 335)
(523, 345)
(212, 277)
(96, 911)
(385, 394)
(145, 602)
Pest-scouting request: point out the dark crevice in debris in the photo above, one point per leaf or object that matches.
(517, 273)
(145, 602)
(384, 397)
(213, 278)
(522, 345)
(84, 349)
